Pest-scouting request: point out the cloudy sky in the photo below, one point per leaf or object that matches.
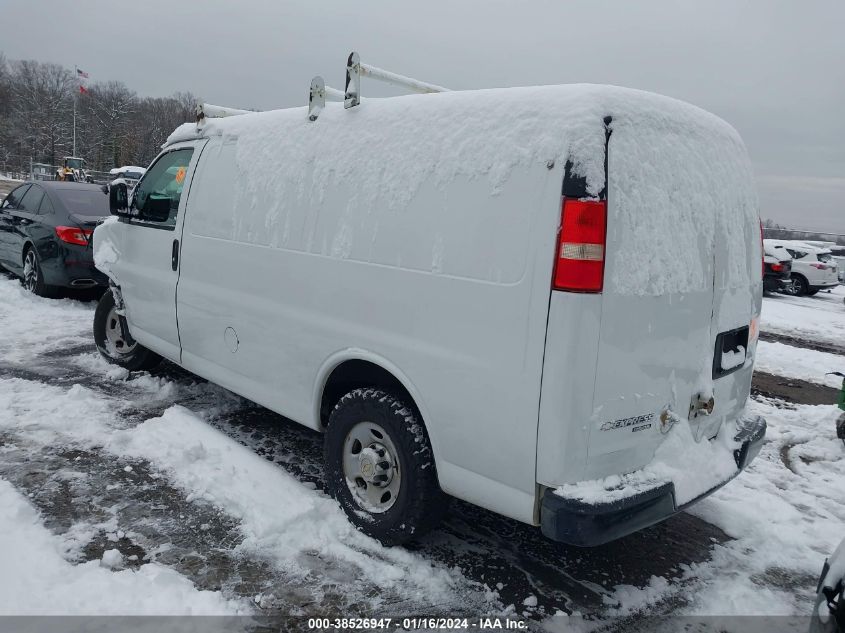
(774, 69)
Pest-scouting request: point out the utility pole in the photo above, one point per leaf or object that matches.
(74, 121)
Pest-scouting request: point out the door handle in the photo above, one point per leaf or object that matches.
(174, 255)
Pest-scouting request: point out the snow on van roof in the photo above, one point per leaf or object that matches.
(472, 133)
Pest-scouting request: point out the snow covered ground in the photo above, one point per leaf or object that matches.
(796, 362)
(820, 318)
(160, 493)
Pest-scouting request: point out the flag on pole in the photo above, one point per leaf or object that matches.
(81, 75)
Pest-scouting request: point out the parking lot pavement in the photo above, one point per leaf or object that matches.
(85, 443)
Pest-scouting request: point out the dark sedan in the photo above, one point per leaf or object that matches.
(45, 235)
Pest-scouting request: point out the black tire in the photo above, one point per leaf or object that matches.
(33, 276)
(134, 357)
(419, 504)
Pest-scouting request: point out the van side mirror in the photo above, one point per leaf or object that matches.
(119, 199)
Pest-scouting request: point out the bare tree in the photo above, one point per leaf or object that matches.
(107, 109)
(41, 100)
(114, 126)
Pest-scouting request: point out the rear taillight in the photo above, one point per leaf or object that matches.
(579, 266)
(819, 266)
(73, 235)
(778, 268)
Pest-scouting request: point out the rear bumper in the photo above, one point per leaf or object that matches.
(72, 266)
(588, 524)
(770, 282)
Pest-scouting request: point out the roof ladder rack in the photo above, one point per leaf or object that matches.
(355, 69)
(319, 94)
(209, 111)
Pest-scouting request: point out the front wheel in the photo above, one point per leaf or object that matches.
(380, 467)
(113, 344)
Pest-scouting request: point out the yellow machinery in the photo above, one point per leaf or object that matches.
(72, 170)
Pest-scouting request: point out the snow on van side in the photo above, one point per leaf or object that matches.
(381, 153)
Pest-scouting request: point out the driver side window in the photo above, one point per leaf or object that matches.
(157, 196)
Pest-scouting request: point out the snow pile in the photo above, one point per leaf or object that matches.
(821, 318)
(106, 252)
(280, 517)
(693, 467)
(36, 580)
(796, 362)
(112, 559)
(26, 321)
(785, 514)
(293, 526)
(375, 158)
(46, 413)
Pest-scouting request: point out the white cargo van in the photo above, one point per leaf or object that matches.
(543, 301)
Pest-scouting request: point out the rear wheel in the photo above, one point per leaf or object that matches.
(113, 344)
(797, 287)
(380, 467)
(33, 276)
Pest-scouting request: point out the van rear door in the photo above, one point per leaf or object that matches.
(681, 286)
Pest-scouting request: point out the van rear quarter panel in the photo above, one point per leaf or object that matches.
(452, 289)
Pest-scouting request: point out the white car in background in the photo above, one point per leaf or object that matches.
(130, 174)
(838, 254)
(813, 268)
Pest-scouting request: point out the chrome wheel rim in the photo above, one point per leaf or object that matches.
(116, 345)
(371, 467)
(30, 271)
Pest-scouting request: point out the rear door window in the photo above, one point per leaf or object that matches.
(46, 206)
(32, 200)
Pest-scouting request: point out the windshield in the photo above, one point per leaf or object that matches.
(824, 257)
(74, 163)
(85, 201)
(132, 175)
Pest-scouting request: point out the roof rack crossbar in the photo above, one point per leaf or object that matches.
(209, 111)
(355, 69)
(319, 94)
